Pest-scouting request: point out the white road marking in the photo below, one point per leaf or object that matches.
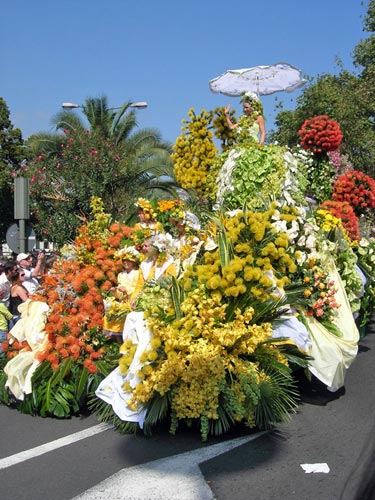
(174, 478)
(52, 445)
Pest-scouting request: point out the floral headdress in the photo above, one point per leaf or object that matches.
(129, 253)
(163, 242)
(146, 207)
(170, 209)
(254, 100)
(249, 96)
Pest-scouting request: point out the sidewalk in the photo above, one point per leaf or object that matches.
(338, 432)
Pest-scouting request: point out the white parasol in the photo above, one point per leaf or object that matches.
(263, 80)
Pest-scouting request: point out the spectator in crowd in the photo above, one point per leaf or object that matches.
(24, 261)
(10, 269)
(18, 294)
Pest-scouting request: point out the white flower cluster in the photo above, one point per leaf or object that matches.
(224, 179)
(303, 156)
(164, 242)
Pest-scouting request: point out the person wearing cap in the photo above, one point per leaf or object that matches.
(24, 261)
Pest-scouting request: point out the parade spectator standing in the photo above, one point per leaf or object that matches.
(18, 295)
(10, 269)
(24, 261)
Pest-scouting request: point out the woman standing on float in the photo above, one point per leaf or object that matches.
(251, 125)
(237, 162)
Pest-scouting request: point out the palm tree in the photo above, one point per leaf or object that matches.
(147, 171)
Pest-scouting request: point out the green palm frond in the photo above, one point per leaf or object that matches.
(222, 424)
(225, 246)
(277, 399)
(44, 143)
(157, 409)
(98, 113)
(68, 120)
(295, 357)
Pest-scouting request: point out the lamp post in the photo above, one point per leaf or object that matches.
(138, 105)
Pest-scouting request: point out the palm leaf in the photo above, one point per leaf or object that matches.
(177, 294)
(222, 424)
(157, 409)
(278, 396)
(225, 247)
(81, 384)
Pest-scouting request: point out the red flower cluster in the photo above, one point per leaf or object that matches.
(320, 134)
(344, 211)
(357, 189)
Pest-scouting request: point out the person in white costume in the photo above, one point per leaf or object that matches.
(111, 389)
(30, 328)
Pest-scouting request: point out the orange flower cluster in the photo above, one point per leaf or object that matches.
(118, 233)
(320, 134)
(14, 348)
(74, 292)
(344, 211)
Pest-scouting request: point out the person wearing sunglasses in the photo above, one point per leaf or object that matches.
(18, 295)
(25, 261)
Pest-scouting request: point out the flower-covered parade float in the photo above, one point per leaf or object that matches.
(226, 303)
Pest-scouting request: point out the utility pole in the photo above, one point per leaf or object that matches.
(21, 209)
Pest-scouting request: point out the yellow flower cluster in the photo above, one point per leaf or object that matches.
(146, 207)
(191, 356)
(127, 350)
(205, 356)
(118, 309)
(222, 131)
(327, 221)
(95, 229)
(259, 261)
(194, 151)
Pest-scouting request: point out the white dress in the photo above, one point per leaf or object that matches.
(111, 389)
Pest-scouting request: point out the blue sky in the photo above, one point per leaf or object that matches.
(161, 52)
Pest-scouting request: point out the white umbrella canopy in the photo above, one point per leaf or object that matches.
(263, 80)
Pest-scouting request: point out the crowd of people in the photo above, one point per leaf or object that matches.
(19, 278)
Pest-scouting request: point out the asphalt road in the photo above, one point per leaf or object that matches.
(337, 430)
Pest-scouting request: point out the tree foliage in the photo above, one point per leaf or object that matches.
(11, 155)
(110, 161)
(347, 98)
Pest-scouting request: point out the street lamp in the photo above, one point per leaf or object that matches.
(139, 105)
